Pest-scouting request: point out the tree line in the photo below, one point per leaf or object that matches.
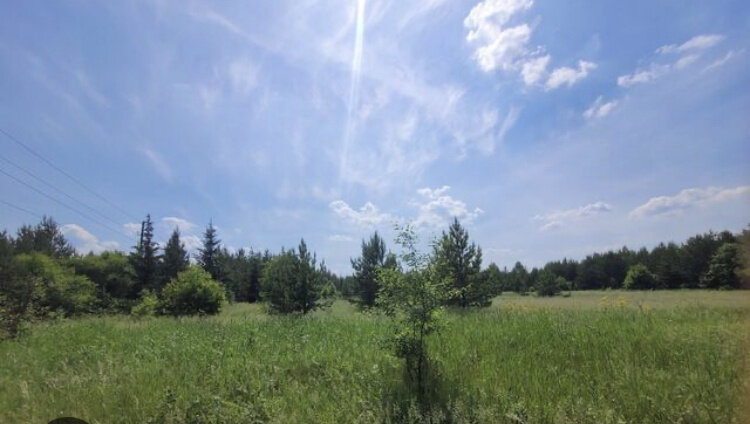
(42, 275)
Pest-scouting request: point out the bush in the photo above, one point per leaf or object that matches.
(147, 306)
(192, 292)
(291, 283)
(547, 284)
(639, 278)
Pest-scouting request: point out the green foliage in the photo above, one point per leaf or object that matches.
(147, 306)
(145, 260)
(208, 255)
(292, 284)
(38, 287)
(723, 268)
(45, 238)
(744, 251)
(193, 292)
(548, 284)
(414, 299)
(174, 260)
(366, 269)
(113, 275)
(461, 263)
(639, 278)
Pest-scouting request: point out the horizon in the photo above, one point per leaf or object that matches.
(548, 130)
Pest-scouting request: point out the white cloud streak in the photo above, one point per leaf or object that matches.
(600, 108)
(367, 215)
(556, 219)
(686, 199)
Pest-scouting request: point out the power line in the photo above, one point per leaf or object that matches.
(20, 208)
(63, 204)
(72, 178)
(31, 174)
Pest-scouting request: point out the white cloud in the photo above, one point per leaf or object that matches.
(643, 75)
(723, 60)
(534, 70)
(340, 238)
(685, 199)
(157, 162)
(690, 49)
(84, 241)
(243, 75)
(182, 224)
(132, 228)
(699, 42)
(438, 208)
(686, 61)
(556, 219)
(500, 45)
(367, 215)
(569, 76)
(600, 108)
(192, 242)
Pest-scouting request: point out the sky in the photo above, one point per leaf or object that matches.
(549, 129)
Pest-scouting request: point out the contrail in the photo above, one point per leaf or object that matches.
(354, 88)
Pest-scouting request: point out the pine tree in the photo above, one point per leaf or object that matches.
(175, 258)
(145, 259)
(208, 255)
(461, 262)
(366, 269)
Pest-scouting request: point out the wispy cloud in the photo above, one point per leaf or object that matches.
(686, 199)
(569, 76)
(341, 238)
(699, 42)
(86, 242)
(558, 218)
(182, 224)
(158, 163)
(600, 108)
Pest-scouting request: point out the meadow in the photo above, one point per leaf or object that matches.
(592, 357)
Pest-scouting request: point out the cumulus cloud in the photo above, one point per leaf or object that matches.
(86, 242)
(699, 42)
(600, 108)
(687, 198)
(191, 241)
(502, 45)
(436, 208)
(569, 76)
(556, 219)
(367, 215)
(182, 224)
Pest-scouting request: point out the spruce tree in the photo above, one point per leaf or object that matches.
(208, 255)
(461, 262)
(175, 258)
(145, 259)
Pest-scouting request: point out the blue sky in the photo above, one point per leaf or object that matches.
(549, 128)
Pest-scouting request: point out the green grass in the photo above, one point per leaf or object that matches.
(678, 357)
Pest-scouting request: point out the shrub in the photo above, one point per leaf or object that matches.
(723, 269)
(147, 306)
(292, 283)
(192, 292)
(548, 284)
(639, 278)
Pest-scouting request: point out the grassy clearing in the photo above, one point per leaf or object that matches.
(677, 358)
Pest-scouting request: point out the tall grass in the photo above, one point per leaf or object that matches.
(520, 363)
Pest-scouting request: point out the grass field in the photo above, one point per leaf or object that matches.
(593, 357)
